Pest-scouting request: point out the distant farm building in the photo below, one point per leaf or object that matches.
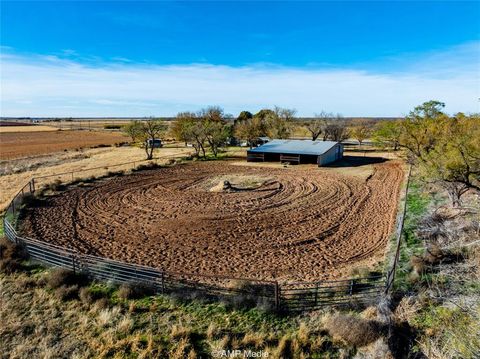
(297, 152)
(156, 143)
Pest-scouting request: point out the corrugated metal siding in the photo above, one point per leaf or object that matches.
(331, 155)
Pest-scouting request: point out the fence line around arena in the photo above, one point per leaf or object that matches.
(298, 296)
(398, 237)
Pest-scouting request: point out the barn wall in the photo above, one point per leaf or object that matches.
(308, 159)
(331, 155)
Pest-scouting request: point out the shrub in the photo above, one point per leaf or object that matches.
(30, 200)
(146, 167)
(135, 290)
(10, 250)
(115, 173)
(9, 266)
(418, 264)
(248, 294)
(11, 256)
(112, 127)
(89, 296)
(60, 277)
(180, 332)
(284, 348)
(54, 186)
(354, 331)
(254, 339)
(65, 293)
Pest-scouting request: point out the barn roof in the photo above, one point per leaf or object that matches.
(296, 147)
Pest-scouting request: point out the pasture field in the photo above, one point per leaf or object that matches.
(29, 128)
(295, 223)
(14, 173)
(23, 144)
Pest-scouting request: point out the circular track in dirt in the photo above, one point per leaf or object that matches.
(303, 223)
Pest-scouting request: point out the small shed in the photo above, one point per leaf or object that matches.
(297, 152)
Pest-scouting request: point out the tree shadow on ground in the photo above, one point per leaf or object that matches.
(356, 161)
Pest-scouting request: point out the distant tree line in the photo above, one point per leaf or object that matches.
(445, 149)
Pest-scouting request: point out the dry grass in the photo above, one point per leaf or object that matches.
(61, 277)
(11, 257)
(40, 322)
(37, 128)
(135, 291)
(352, 330)
(91, 158)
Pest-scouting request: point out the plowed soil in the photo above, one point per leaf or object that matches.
(24, 144)
(289, 224)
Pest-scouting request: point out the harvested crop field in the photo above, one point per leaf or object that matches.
(287, 224)
(23, 144)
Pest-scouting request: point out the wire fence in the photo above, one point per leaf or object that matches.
(279, 296)
(398, 237)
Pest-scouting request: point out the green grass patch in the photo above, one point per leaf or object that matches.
(418, 201)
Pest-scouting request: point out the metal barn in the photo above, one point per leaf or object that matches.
(297, 152)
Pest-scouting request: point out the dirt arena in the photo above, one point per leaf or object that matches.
(297, 223)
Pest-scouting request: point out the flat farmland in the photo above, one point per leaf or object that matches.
(23, 144)
(29, 128)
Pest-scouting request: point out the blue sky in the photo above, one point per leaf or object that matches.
(157, 58)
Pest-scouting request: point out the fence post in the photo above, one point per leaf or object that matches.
(73, 264)
(277, 296)
(163, 282)
(351, 286)
(33, 185)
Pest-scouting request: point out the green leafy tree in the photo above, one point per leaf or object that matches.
(243, 116)
(454, 162)
(206, 129)
(250, 130)
(279, 122)
(422, 127)
(133, 129)
(180, 127)
(445, 149)
(361, 131)
(388, 133)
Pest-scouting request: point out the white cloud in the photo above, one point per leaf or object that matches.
(51, 86)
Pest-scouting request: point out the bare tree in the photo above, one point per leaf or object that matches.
(336, 129)
(317, 126)
(150, 131)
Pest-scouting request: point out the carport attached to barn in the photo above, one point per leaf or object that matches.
(297, 151)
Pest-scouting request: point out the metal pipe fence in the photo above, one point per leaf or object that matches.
(298, 296)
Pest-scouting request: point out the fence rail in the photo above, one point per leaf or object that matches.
(298, 296)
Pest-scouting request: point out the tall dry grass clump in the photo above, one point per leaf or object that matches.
(354, 331)
(135, 290)
(11, 256)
